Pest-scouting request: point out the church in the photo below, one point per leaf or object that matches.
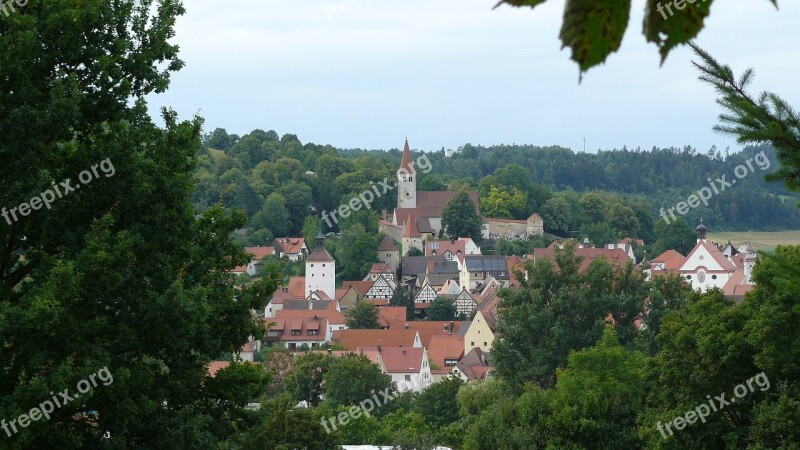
(418, 215)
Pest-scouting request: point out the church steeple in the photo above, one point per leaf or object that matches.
(406, 180)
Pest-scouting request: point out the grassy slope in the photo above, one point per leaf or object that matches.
(762, 240)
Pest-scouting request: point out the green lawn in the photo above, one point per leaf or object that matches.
(762, 240)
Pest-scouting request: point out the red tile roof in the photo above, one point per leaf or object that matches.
(399, 359)
(388, 315)
(427, 329)
(387, 245)
(617, 257)
(286, 326)
(353, 339)
(216, 366)
(443, 347)
(334, 317)
(360, 286)
(260, 253)
(411, 230)
(297, 287)
(320, 254)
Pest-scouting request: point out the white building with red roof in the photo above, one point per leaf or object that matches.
(320, 271)
(408, 366)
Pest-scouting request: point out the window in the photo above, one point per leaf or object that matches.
(323, 265)
(688, 277)
(450, 362)
(433, 245)
(701, 276)
(312, 265)
(472, 344)
(408, 377)
(295, 332)
(313, 332)
(410, 178)
(713, 277)
(485, 344)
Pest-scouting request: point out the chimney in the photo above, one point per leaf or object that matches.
(330, 351)
(452, 327)
(379, 345)
(444, 328)
(407, 326)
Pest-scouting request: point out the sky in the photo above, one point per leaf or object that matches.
(367, 73)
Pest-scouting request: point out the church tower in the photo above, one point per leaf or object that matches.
(406, 181)
(749, 263)
(321, 270)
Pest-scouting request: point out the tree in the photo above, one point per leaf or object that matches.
(356, 252)
(500, 203)
(311, 227)
(285, 428)
(403, 297)
(305, 381)
(677, 235)
(123, 273)
(352, 378)
(595, 32)
(598, 397)
(556, 215)
(273, 215)
(623, 220)
(364, 316)
(439, 402)
(460, 219)
(442, 309)
(219, 139)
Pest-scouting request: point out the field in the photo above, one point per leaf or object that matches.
(762, 240)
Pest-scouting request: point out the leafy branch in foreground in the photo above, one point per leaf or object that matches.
(767, 118)
(594, 29)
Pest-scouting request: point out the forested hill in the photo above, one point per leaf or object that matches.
(247, 171)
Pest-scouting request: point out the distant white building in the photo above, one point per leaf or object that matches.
(320, 270)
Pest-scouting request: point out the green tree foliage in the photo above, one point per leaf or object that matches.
(305, 381)
(594, 29)
(284, 427)
(273, 216)
(556, 214)
(356, 251)
(460, 219)
(598, 397)
(439, 402)
(120, 273)
(352, 378)
(364, 316)
(502, 204)
(560, 309)
(677, 235)
(623, 220)
(442, 309)
(403, 297)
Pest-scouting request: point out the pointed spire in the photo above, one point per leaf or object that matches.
(405, 162)
(411, 230)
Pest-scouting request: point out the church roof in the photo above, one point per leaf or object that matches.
(387, 245)
(405, 162)
(411, 230)
(320, 254)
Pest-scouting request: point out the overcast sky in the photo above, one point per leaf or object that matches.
(366, 73)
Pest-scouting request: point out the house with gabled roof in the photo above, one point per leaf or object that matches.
(292, 248)
(382, 288)
(425, 296)
(705, 267)
(478, 267)
(475, 365)
(352, 339)
(408, 367)
(294, 333)
(445, 350)
(450, 287)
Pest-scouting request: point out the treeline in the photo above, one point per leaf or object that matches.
(281, 182)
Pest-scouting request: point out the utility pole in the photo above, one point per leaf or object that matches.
(584, 145)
